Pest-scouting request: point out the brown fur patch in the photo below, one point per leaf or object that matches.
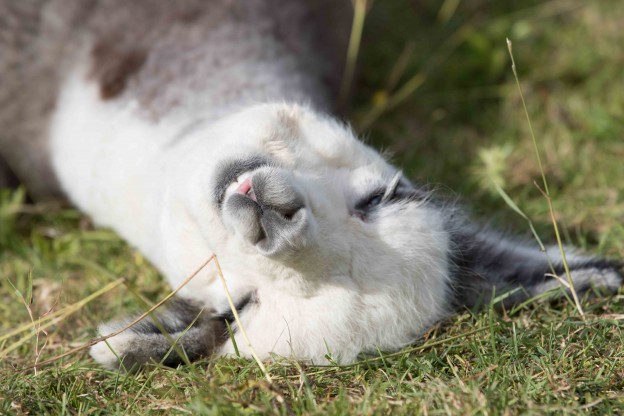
(112, 67)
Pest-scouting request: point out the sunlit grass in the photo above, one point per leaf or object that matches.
(461, 125)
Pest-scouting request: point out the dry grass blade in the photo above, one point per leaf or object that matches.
(417, 80)
(174, 343)
(240, 325)
(399, 67)
(447, 10)
(359, 15)
(394, 100)
(73, 307)
(53, 318)
(517, 209)
(458, 37)
(134, 322)
(615, 316)
(27, 301)
(545, 191)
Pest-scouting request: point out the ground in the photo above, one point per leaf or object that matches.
(435, 89)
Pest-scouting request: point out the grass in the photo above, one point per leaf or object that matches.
(455, 119)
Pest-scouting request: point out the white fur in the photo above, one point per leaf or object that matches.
(356, 286)
(108, 353)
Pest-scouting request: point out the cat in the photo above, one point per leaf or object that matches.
(205, 128)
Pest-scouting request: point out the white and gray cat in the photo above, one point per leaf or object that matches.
(203, 127)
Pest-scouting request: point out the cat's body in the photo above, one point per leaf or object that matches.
(197, 129)
(192, 59)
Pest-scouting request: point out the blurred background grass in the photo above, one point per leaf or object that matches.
(464, 126)
(434, 89)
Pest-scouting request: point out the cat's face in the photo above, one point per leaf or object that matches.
(294, 196)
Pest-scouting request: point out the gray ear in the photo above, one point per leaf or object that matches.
(195, 333)
(484, 263)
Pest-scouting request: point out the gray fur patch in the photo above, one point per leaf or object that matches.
(236, 53)
(194, 332)
(485, 264)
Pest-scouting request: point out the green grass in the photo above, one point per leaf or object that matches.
(462, 127)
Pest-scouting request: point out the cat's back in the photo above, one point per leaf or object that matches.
(208, 55)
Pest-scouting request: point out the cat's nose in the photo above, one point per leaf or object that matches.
(268, 209)
(285, 219)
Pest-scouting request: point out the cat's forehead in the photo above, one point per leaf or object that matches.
(304, 139)
(297, 138)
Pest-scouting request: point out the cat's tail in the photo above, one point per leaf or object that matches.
(182, 332)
